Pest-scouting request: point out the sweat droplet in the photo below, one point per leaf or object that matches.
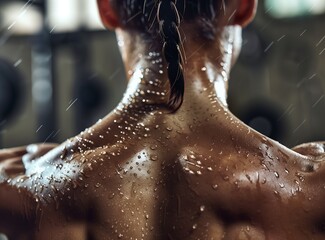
(215, 186)
(153, 157)
(153, 147)
(64, 153)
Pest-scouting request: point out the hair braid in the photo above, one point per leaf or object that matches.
(169, 22)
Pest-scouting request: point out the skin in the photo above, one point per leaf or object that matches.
(143, 173)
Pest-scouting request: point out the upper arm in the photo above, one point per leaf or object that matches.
(313, 149)
(17, 210)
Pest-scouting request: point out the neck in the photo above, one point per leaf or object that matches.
(206, 71)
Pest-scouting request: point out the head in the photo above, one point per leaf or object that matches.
(162, 20)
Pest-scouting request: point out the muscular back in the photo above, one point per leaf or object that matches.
(152, 175)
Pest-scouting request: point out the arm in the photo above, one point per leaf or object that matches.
(11, 162)
(14, 161)
(313, 149)
(17, 205)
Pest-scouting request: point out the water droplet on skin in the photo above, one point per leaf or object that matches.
(300, 176)
(154, 147)
(64, 153)
(215, 186)
(59, 166)
(281, 185)
(202, 208)
(226, 178)
(276, 174)
(194, 226)
(153, 157)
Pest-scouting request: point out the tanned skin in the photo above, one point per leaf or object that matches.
(144, 173)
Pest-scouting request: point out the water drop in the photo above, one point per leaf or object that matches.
(202, 208)
(64, 153)
(153, 157)
(154, 147)
(215, 186)
(192, 156)
(59, 166)
(194, 226)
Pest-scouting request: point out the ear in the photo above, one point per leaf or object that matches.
(245, 12)
(108, 14)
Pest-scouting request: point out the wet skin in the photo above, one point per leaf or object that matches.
(144, 173)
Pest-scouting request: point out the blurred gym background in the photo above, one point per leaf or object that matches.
(60, 71)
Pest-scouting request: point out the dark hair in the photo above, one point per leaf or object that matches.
(164, 17)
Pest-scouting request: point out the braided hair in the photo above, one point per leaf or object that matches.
(164, 17)
(169, 21)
